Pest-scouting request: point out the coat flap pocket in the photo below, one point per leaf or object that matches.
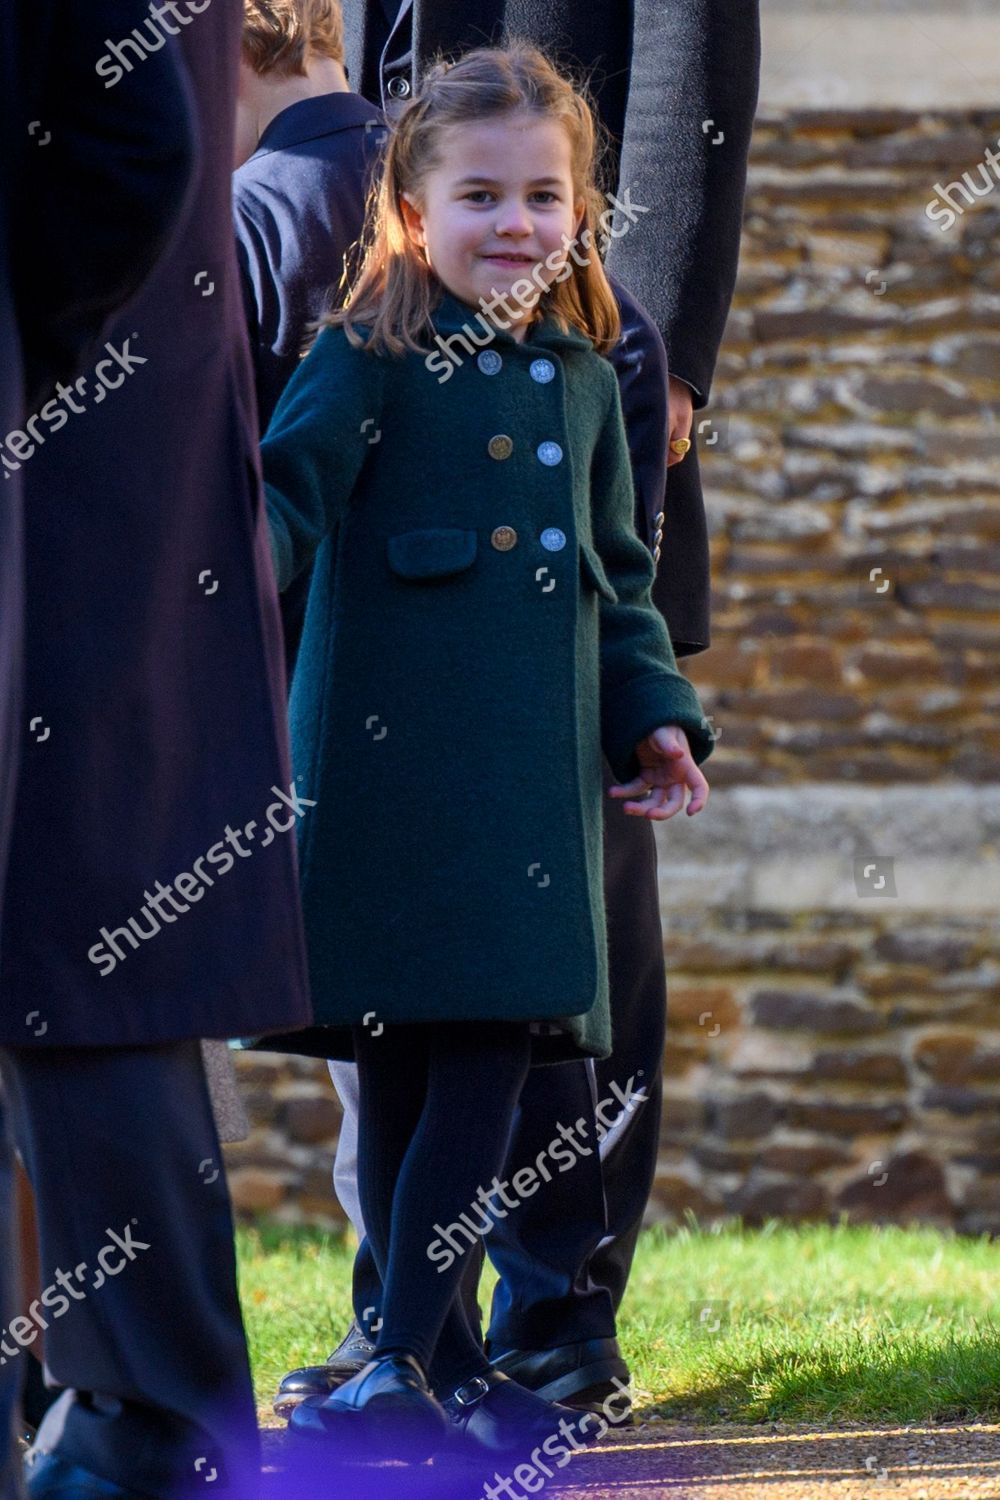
(593, 570)
(431, 554)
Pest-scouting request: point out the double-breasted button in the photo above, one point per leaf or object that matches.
(656, 554)
(658, 536)
(398, 86)
(658, 518)
(489, 362)
(503, 538)
(500, 446)
(552, 539)
(549, 453)
(542, 370)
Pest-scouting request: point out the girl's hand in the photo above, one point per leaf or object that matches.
(667, 768)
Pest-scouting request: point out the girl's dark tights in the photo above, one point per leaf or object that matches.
(437, 1100)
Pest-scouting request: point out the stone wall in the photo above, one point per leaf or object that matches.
(830, 918)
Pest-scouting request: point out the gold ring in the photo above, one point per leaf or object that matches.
(680, 446)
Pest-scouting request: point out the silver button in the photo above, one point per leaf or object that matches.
(658, 518)
(658, 536)
(542, 370)
(656, 555)
(398, 86)
(489, 362)
(552, 539)
(550, 453)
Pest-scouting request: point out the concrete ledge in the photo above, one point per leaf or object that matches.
(932, 848)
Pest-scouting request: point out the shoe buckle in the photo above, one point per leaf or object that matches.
(472, 1391)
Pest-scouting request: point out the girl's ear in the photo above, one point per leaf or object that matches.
(412, 219)
(580, 210)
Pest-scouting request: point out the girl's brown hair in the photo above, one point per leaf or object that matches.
(394, 292)
(280, 36)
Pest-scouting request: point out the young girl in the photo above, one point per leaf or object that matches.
(479, 628)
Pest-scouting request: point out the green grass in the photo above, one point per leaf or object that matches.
(817, 1323)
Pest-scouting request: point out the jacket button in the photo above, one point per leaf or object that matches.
(398, 86)
(658, 518)
(500, 446)
(489, 362)
(503, 538)
(658, 536)
(542, 370)
(656, 555)
(552, 539)
(549, 453)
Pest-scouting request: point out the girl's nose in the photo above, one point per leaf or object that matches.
(514, 218)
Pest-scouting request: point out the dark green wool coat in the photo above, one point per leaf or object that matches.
(479, 628)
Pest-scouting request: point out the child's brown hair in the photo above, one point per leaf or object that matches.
(279, 36)
(394, 292)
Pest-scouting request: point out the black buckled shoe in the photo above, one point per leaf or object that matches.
(492, 1414)
(49, 1477)
(387, 1410)
(351, 1355)
(588, 1376)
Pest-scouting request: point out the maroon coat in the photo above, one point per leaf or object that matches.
(154, 706)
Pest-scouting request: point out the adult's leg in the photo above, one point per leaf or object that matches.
(564, 1256)
(634, 1071)
(10, 1365)
(414, 1209)
(141, 1314)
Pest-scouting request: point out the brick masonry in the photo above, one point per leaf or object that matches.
(830, 920)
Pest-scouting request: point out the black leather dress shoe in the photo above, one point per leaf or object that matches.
(387, 1410)
(350, 1356)
(580, 1375)
(494, 1415)
(49, 1477)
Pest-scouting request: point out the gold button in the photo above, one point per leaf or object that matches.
(500, 446)
(504, 537)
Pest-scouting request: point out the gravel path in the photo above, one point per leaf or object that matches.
(773, 1461)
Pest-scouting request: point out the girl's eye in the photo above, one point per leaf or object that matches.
(544, 193)
(478, 194)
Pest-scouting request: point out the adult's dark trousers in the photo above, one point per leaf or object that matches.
(139, 1306)
(564, 1254)
(10, 1488)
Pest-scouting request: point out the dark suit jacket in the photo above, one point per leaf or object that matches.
(71, 249)
(669, 76)
(153, 653)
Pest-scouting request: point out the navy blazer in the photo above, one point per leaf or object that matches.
(675, 83)
(153, 666)
(298, 206)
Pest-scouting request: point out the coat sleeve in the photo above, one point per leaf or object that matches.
(316, 445)
(105, 174)
(691, 103)
(641, 686)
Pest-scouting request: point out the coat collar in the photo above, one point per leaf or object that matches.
(451, 315)
(309, 119)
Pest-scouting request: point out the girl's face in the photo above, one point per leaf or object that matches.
(495, 209)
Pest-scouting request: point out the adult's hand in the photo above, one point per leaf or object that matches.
(681, 417)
